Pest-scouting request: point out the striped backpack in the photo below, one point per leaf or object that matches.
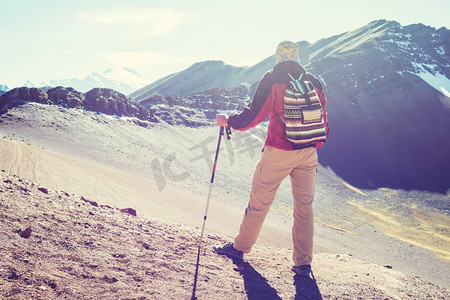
(303, 113)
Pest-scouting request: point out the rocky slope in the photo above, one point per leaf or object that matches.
(213, 100)
(174, 110)
(58, 245)
(163, 171)
(202, 76)
(101, 100)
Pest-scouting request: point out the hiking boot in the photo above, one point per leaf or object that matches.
(228, 250)
(303, 271)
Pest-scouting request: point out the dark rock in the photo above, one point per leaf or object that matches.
(19, 96)
(43, 189)
(111, 102)
(51, 284)
(26, 233)
(66, 97)
(388, 266)
(130, 211)
(110, 279)
(106, 206)
(93, 203)
(24, 189)
(14, 275)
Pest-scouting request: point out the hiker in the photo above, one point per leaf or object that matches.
(280, 158)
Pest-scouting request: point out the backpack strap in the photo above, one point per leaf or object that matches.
(298, 86)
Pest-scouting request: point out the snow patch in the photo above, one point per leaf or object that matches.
(438, 81)
(440, 50)
(123, 80)
(29, 84)
(4, 88)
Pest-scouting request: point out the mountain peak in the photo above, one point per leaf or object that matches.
(29, 84)
(123, 80)
(3, 87)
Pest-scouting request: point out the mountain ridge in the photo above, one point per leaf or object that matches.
(375, 35)
(390, 80)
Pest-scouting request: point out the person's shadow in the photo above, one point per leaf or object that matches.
(257, 287)
(306, 288)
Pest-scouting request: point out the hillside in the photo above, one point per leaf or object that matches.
(163, 171)
(78, 249)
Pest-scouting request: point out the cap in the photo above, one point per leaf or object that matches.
(287, 50)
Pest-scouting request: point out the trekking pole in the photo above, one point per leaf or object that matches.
(228, 130)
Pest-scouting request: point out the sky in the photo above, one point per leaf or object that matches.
(42, 40)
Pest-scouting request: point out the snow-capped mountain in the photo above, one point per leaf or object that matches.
(123, 80)
(3, 89)
(387, 87)
(29, 84)
(415, 49)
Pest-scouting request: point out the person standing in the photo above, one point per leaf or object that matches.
(280, 158)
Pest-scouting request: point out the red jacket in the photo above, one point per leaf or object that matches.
(268, 101)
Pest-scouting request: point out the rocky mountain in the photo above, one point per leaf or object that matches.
(29, 84)
(110, 102)
(385, 115)
(388, 103)
(211, 100)
(100, 100)
(203, 76)
(415, 49)
(123, 80)
(18, 96)
(66, 97)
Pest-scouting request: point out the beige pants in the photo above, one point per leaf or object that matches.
(274, 166)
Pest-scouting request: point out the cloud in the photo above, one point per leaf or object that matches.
(149, 21)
